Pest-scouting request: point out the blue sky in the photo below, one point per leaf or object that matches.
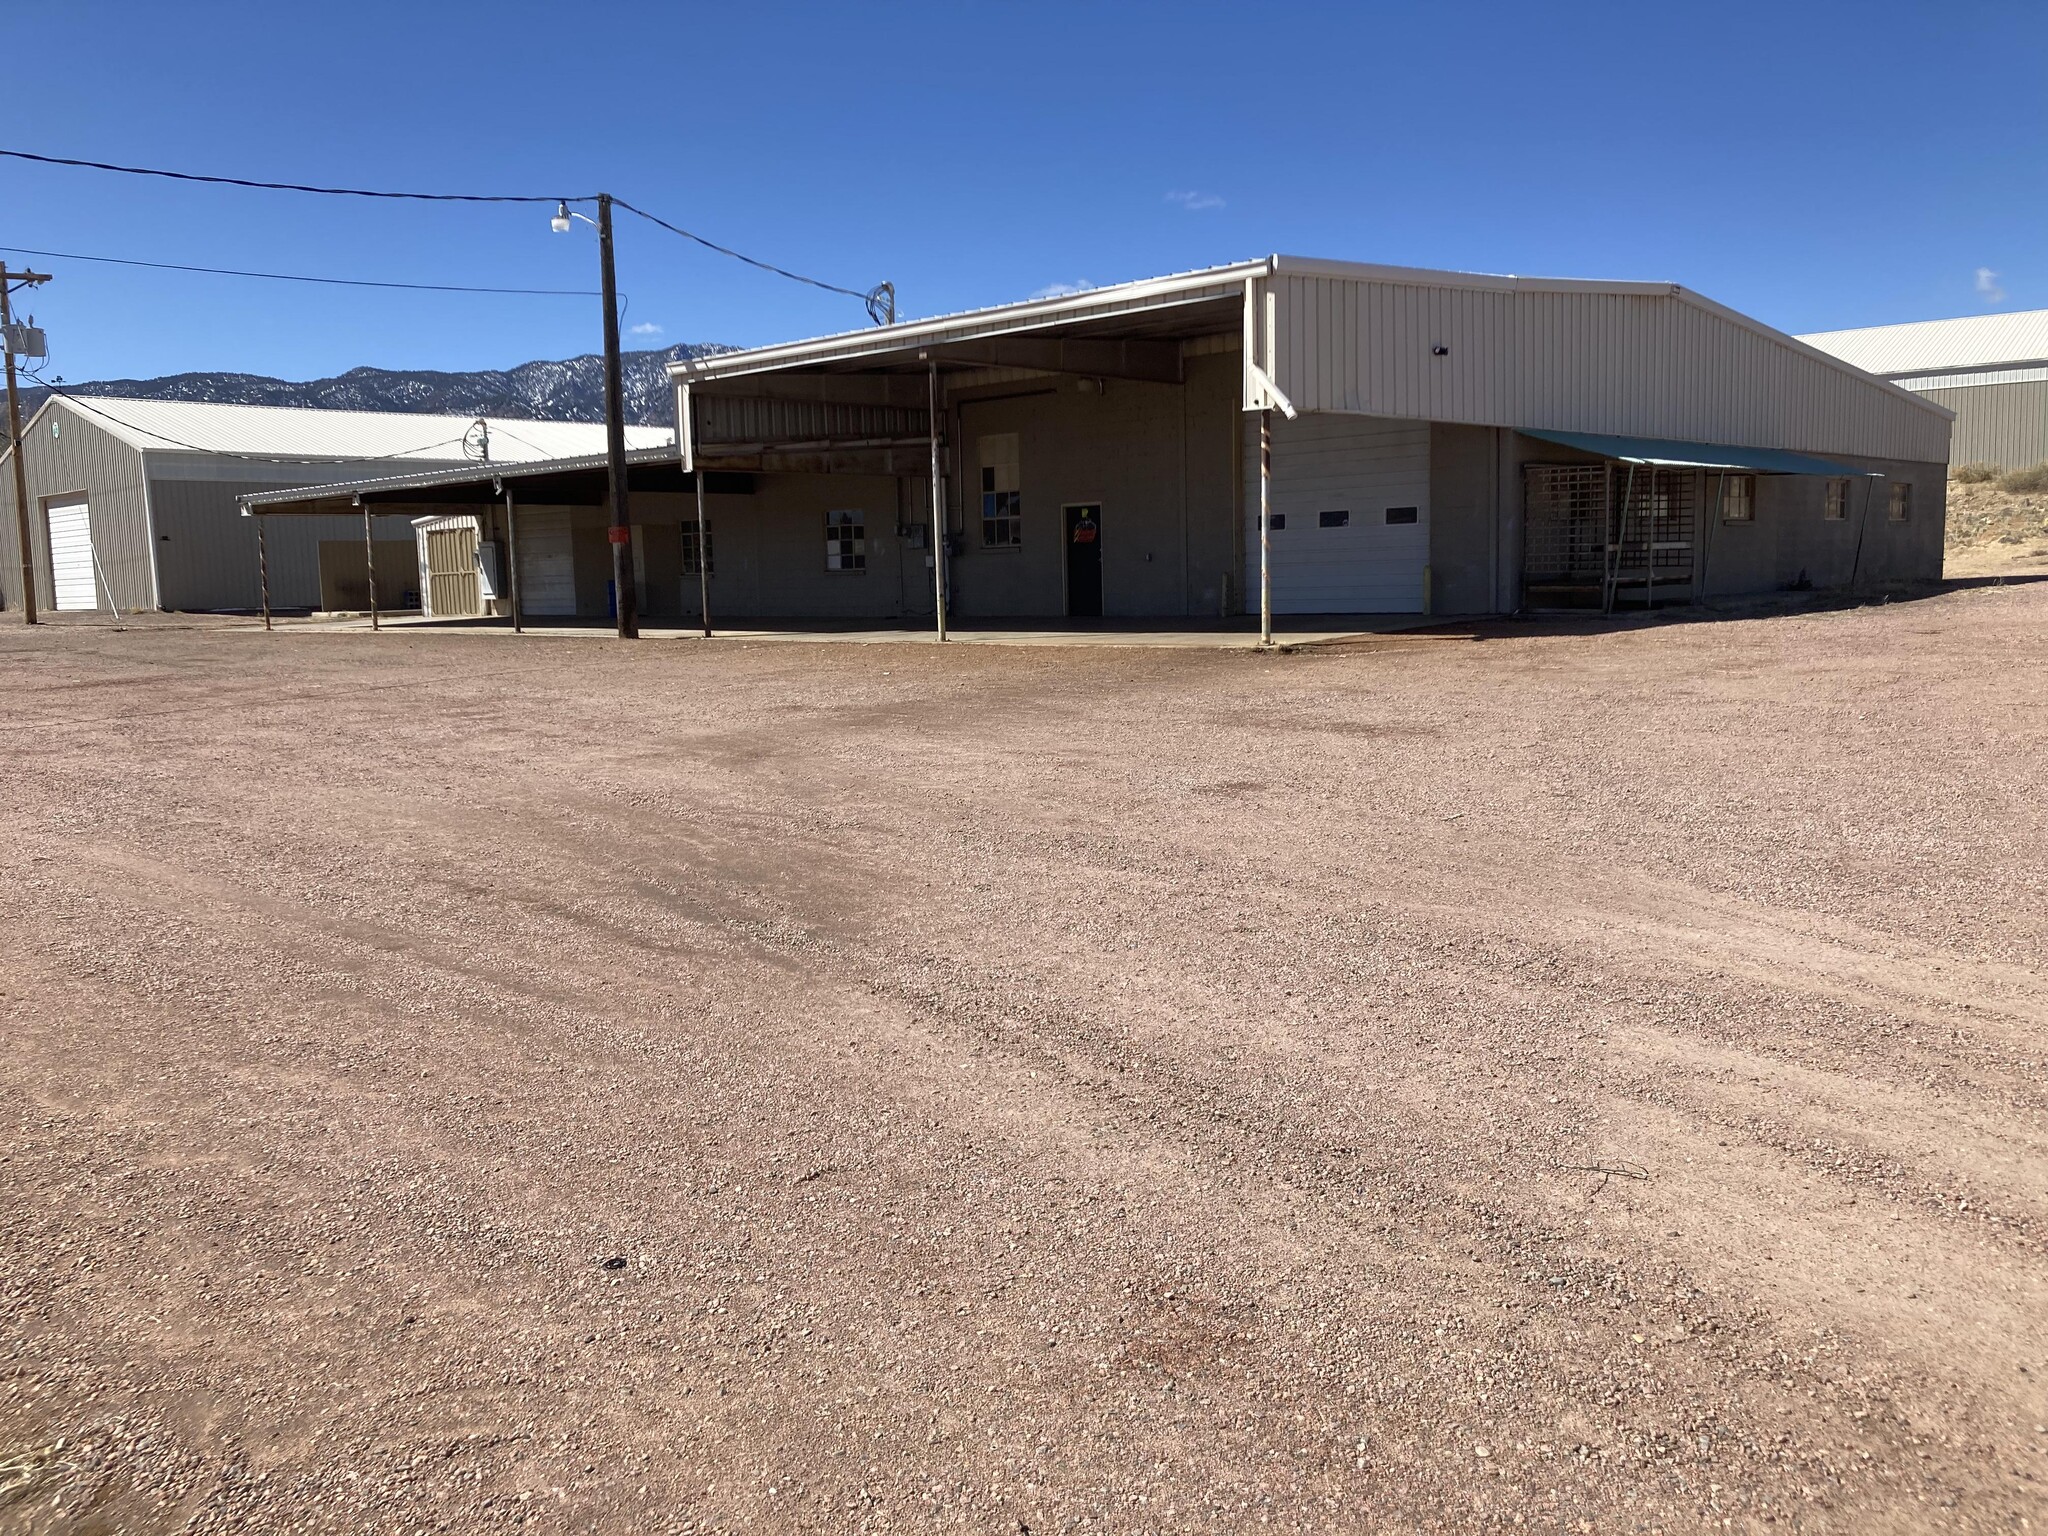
(1815, 164)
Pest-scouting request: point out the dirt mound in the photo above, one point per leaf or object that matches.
(1993, 532)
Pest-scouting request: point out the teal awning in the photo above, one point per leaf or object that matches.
(1672, 454)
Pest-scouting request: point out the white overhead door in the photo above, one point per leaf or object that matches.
(71, 578)
(547, 565)
(1351, 514)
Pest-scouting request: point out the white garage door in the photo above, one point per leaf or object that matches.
(547, 565)
(71, 556)
(1351, 514)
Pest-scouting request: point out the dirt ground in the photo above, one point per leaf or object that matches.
(1587, 1079)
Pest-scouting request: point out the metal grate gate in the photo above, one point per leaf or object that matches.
(1565, 531)
(1598, 533)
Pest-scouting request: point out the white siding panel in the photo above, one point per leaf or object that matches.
(1360, 465)
(71, 573)
(1651, 364)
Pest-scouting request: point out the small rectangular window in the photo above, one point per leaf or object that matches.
(1275, 521)
(1901, 501)
(690, 565)
(1402, 514)
(1340, 519)
(846, 542)
(1738, 499)
(1002, 495)
(1836, 508)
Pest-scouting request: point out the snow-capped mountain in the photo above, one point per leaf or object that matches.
(542, 391)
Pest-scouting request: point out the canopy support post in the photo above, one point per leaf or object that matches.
(689, 426)
(1265, 527)
(938, 500)
(370, 564)
(512, 556)
(263, 571)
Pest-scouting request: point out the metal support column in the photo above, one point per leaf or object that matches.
(263, 569)
(370, 562)
(938, 504)
(1265, 527)
(512, 557)
(703, 528)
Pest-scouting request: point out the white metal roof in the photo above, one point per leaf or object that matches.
(287, 433)
(1972, 342)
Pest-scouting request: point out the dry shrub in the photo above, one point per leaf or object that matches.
(2025, 481)
(1973, 474)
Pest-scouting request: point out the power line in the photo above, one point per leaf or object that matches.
(870, 297)
(300, 277)
(281, 186)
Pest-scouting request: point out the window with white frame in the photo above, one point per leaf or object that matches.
(846, 541)
(1738, 499)
(691, 566)
(1901, 501)
(1002, 496)
(1836, 508)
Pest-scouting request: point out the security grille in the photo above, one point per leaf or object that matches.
(1565, 541)
(1607, 532)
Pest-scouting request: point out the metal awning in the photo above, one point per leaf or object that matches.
(1668, 453)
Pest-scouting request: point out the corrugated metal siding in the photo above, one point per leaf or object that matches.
(2002, 424)
(79, 458)
(755, 419)
(206, 550)
(1657, 366)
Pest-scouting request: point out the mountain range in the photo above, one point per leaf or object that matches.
(572, 390)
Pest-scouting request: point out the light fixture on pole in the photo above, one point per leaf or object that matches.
(626, 600)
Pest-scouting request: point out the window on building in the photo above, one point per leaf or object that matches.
(690, 564)
(1340, 519)
(1275, 521)
(1836, 508)
(846, 541)
(1002, 497)
(1902, 501)
(1738, 499)
(1403, 514)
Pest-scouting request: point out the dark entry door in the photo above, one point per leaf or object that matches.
(1084, 562)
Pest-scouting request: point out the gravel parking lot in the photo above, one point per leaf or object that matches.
(1579, 1079)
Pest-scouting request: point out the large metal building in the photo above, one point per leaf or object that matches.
(1991, 370)
(133, 503)
(1435, 443)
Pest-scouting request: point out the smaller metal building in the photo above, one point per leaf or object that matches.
(1991, 370)
(133, 503)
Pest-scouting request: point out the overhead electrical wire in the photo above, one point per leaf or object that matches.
(300, 277)
(869, 297)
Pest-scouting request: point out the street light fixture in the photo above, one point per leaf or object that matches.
(626, 599)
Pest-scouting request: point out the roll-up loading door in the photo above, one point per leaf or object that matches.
(547, 564)
(71, 556)
(1350, 512)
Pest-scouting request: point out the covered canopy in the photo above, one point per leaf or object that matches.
(1668, 453)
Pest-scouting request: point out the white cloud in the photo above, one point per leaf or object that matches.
(646, 328)
(1987, 286)
(1061, 290)
(1195, 202)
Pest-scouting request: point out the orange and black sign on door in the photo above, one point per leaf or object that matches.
(1084, 561)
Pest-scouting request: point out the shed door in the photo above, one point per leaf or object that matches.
(1351, 505)
(452, 588)
(71, 578)
(547, 565)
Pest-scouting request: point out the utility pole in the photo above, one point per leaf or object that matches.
(626, 598)
(28, 564)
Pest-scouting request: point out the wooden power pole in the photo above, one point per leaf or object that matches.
(8, 280)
